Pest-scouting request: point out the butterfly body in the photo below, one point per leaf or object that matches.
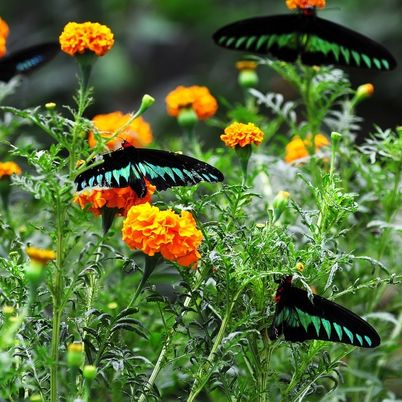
(305, 36)
(26, 60)
(300, 318)
(130, 166)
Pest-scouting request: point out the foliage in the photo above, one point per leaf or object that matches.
(203, 333)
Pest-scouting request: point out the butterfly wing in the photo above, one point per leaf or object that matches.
(315, 40)
(277, 35)
(27, 60)
(330, 43)
(299, 319)
(129, 166)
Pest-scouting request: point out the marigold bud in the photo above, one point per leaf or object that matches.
(35, 398)
(75, 354)
(280, 203)
(187, 117)
(363, 92)
(248, 78)
(50, 106)
(8, 310)
(34, 272)
(89, 372)
(146, 103)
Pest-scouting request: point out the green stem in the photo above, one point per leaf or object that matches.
(57, 289)
(263, 371)
(201, 378)
(162, 354)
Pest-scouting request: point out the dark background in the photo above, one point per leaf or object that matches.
(164, 43)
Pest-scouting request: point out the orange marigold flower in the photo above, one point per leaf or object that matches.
(9, 168)
(40, 255)
(88, 36)
(152, 231)
(239, 134)
(138, 133)
(196, 97)
(298, 149)
(292, 4)
(246, 65)
(4, 30)
(120, 198)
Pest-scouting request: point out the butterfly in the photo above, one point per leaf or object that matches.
(300, 318)
(130, 166)
(26, 60)
(304, 36)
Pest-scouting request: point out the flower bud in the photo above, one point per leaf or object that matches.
(187, 117)
(8, 310)
(146, 103)
(34, 272)
(248, 78)
(363, 92)
(75, 354)
(280, 203)
(89, 372)
(50, 106)
(35, 398)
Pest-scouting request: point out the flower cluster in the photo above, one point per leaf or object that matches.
(138, 133)
(196, 97)
(88, 36)
(8, 169)
(121, 199)
(292, 4)
(298, 148)
(240, 135)
(4, 30)
(40, 255)
(152, 231)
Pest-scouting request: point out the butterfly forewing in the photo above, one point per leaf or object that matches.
(27, 60)
(298, 318)
(315, 40)
(130, 166)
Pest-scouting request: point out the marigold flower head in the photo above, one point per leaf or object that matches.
(88, 36)
(120, 198)
(138, 133)
(4, 30)
(292, 4)
(196, 97)
(298, 149)
(152, 231)
(40, 255)
(9, 168)
(239, 134)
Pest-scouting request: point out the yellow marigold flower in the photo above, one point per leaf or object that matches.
(298, 149)
(138, 133)
(239, 134)
(300, 266)
(196, 97)
(9, 168)
(40, 255)
(4, 30)
(292, 4)
(246, 65)
(120, 198)
(88, 36)
(153, 231)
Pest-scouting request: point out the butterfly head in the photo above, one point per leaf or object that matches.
(284, 282)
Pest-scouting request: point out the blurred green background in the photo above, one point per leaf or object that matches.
(164, 43)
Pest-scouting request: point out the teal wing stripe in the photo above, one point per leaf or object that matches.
(385, 63)
(360, 339)
(261, 41)
(230, 41)
(368, 340)
(367, 60)
(91, 181)
(356, 56)
(377, 63)
(116, 175)
(250, 41)
(349, 334)
(240, 41)
(327, 326)
(317, 323)
(108, 178)
(338, 330)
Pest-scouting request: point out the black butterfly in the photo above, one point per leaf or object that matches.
(130, 166)
(298, 318)
(26, 60)
(304, 35)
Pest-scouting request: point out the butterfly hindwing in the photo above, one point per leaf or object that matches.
(315, 40)
(26, 60)
(130, 166)
(331, 43)
(299, 319)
